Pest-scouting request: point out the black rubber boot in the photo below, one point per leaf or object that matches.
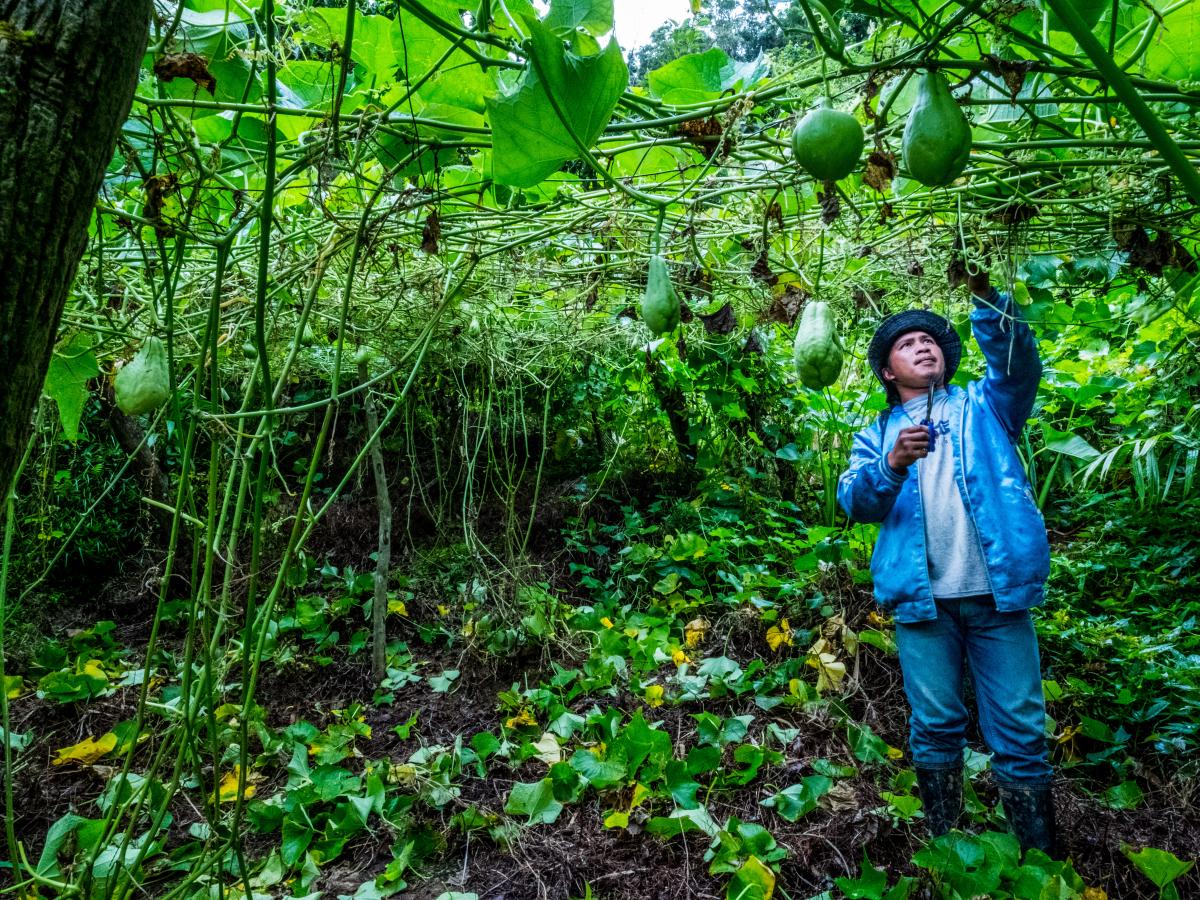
(941, 795)
(1029, 810)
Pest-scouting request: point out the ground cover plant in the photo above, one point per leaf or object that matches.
(427, 486)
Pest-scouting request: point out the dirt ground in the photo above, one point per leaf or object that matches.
(560, 861)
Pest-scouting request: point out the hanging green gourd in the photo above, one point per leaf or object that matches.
(144, 383)
(660, 303)
(827, 143)
(817, 351)
(937, 137)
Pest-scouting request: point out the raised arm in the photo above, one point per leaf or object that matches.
(1013, 367)
(868, 488)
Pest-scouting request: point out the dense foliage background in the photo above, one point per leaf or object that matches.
(622, 638)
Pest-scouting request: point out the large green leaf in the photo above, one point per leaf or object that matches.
(1068, 443)
(1175, 52)
(529, 139)
(800, 799)
(458, 81)
(753, 881)
(1160, 866)
(703, 76)
(535, 800)
(71, 367)
(373, 45)
(600, 773)
(214, 33)
(592, 16)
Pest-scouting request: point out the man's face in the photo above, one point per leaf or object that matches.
(915, 360)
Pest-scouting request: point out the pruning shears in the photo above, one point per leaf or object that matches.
(928, 420)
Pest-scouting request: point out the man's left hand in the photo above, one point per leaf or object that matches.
(979, 284)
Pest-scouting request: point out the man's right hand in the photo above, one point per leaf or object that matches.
(911, 445)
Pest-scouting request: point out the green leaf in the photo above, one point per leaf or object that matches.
(1160, 866)
(698, 77)
(753, 881)
(682, 821)
(595, 17)
(641, 743)
(529, 140)
(800, 799)
(17, 741)
(535, 800)
(373, 45)
(1068, 443)
(869, 885)
(72, 366)
(440, 684)
(600, 773)
(1126, 795)
(296, 838)
(55, 838)
(867, 746)
(215, 34)
(1175, 52)
(688, 546)
(704, 758)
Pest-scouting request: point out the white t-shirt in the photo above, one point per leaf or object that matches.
(956, 566)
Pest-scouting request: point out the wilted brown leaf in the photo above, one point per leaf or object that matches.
(720, 322)
(1012, 71)
(186, 65)
(880, 170)
(831, 207)
(762, 269)
(431, 234)
(786, 307)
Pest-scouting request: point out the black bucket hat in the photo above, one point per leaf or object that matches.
(891, 328)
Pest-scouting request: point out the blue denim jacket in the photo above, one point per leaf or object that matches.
(985, 420)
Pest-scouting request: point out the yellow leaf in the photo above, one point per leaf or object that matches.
(523, 719)
(228, 788)
(86, 751)
(640, 793)
(606, 622)
(694, 631)
(1095, 893)
(13, 686)
(895, 753)
(820, 646)
(443, 609)
(779, 635)
(616, 819)
(1068, 734)
(830, 671)
(631, 632)
(654, 695)
(397, 607)
(680, 658)
(93, 668)
(876, 620)
(404, 775)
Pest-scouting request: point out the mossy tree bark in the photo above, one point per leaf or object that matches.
(68, 70)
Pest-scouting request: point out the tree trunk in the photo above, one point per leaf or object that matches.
(68, 70)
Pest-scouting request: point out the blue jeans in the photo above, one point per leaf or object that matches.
(1002, 651)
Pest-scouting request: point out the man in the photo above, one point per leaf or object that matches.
(962, 553)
